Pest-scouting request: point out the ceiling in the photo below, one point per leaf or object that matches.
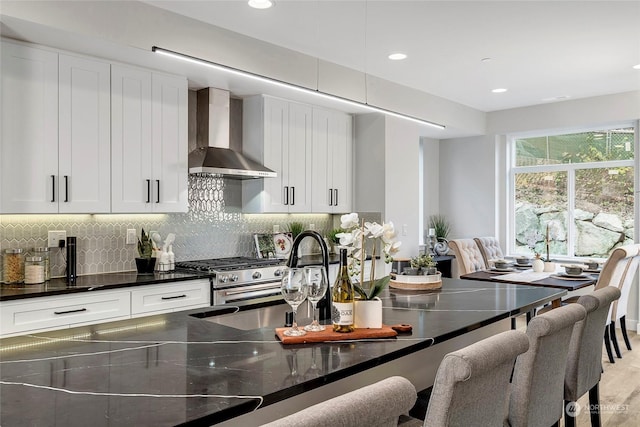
(540, 51)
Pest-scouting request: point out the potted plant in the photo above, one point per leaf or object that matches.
(295, 228)
(145, 263)
(425, 264)
(356, 234)
(442, 229)
(333, 238)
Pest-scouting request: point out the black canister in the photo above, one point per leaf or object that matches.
(71, 259)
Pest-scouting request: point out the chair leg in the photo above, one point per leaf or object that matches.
(594, 404)
(569, 413)
(530, 315)
(607, 345)
(614, 339)
(623, 328)
(513, 323)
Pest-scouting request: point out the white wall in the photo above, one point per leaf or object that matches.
(467, 186)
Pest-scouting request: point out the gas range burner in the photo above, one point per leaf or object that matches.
(228, 264)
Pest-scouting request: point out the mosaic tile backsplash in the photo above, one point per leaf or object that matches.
(209, 230)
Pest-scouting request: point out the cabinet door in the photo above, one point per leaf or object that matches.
(170, 146)
(276, 135)
(84, 139)
(131, 175)
(331, 170)
(29, 123)
(341, 170)
(298, 165)
(172, 297)
(58, 312)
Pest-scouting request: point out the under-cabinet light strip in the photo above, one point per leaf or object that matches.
(295, 87)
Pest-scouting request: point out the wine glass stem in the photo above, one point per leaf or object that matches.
(315, 316)
(295, 324)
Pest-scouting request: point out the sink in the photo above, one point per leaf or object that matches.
(271, 316)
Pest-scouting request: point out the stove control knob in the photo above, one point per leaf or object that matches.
(224, 279)
(277, 273)
(234, 278)
(256, 275)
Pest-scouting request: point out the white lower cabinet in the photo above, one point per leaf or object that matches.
(49, 313)
(167, 298)
(60, 312)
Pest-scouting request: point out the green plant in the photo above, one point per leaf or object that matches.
(332, 235)
(423, 261)
(296, 228)
(145, 247)
(441, 226)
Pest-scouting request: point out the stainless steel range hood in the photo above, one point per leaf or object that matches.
(213, 154)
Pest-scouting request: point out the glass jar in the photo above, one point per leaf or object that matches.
(45, 254)
(33, 270)
(13, 266)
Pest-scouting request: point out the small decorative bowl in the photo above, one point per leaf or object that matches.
(573, 270)
(501, 263)
(592, 265)
(523, 260)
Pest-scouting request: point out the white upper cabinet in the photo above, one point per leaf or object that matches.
(84, 169)
(149, 141)
(277, 133)
(170, 145)
(29, 144)
(332, 161)
(55, 132)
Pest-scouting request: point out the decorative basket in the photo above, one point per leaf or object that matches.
(416, 283)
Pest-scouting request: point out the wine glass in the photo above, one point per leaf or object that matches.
(316, 287)
(294, 290)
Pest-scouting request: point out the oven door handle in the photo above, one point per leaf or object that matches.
(245, 289)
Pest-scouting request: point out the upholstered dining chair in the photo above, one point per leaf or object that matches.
(468, 255)
(619, 307)
(537, 385)
(472, 384)
(584, 363)
(489, 248)
(380, 404)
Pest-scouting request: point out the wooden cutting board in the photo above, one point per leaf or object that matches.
(329, 335)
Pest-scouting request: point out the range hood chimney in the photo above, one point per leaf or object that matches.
(213, 154)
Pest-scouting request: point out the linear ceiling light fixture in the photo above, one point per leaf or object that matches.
(279, 83)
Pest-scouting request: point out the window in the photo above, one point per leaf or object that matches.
(575, 188)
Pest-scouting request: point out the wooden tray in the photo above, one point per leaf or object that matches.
(329, 335)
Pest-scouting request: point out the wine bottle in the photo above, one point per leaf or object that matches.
(342, 298)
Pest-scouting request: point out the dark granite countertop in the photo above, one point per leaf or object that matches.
(59, 286)
(183, 369)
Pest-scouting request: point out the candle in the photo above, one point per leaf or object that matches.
(432, 232)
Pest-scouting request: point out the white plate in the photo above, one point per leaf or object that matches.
(282, 243)
(572, 276)
(503, 270)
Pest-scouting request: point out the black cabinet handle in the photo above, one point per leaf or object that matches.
(53, 188)
(148, 191)
(66, 188)
(336, 198)
(80, 310)
(293, 195)
(286, 194)
(158, 194)
(174, 297)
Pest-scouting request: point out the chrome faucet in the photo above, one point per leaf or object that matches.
(325, 304)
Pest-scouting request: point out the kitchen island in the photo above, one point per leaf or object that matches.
(201, 368)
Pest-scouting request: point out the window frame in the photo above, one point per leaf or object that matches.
(570, 169)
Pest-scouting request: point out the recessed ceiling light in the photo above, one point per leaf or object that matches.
(499, 90)
(397, 56)
(637, 67)
(260, 4)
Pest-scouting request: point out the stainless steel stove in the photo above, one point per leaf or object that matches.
(238, 279)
